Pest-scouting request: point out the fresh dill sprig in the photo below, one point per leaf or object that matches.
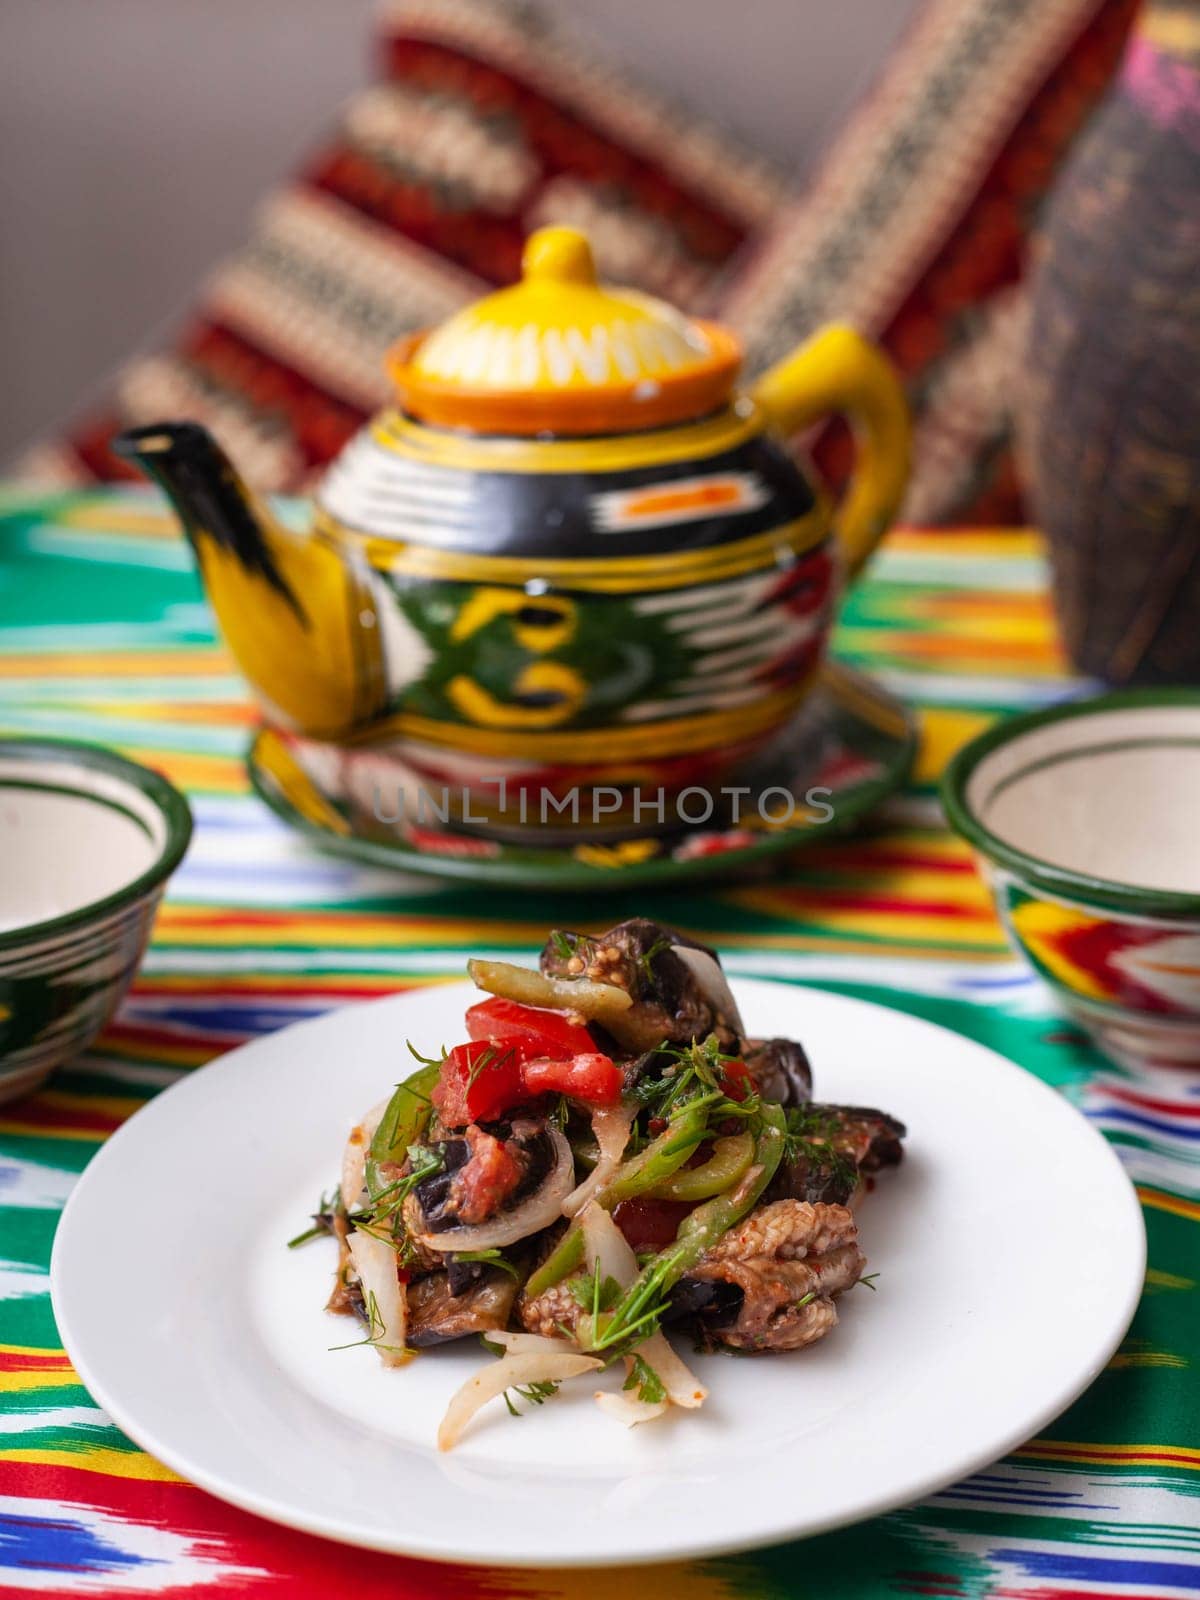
(869, 1281)
(691, 1072)
(424, 1162)
(375, 1331)
(489, 1258)
(327, 1206)
(560, 1113)
(641, 1309)
(493, 1056)
(314, 1232)
(812, 1132)
(426, 1061)
(646, 960)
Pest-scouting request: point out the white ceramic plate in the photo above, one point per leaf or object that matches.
(1009, 1247)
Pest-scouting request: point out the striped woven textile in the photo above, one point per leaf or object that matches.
(106, 636)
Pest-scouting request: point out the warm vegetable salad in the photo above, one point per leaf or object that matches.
(607, 1157)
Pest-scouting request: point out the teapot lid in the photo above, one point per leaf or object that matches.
(559, 353)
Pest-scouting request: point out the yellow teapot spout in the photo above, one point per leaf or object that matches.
(301, 624)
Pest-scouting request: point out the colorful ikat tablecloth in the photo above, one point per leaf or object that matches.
(104, 635)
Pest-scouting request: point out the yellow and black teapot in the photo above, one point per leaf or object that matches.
(571, 555)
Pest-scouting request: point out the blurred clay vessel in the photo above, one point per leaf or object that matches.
(1110, 414)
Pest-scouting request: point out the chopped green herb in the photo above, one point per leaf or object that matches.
(327, 1206)
(812, 1132)
(426, 1061)
(536, 1393)
(386, 1203)
(491, 1057)
(489, 1258)
(594, 1295)
(690, 1073)
(646, 959)
(869, 1281)
(646, 1381)
(560, 1115)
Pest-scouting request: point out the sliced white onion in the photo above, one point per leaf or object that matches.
(628, 1409)
(532, 1366)
(354, 1157)
(611, 1125)
(683, 1389)
(375, 1262)
(682, 1385)
(606, 1245)
(543, 1207)
(603, 1242)
(713, 984)
(524, 1343)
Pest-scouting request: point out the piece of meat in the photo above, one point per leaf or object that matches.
(831, 1148)
(780, 1070)
(484, 1170)
(638, 956)
(790, 1260)
(491, 1173)
(436, 1315)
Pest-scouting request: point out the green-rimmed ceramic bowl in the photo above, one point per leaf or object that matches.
(87, 843)
(1085, 819)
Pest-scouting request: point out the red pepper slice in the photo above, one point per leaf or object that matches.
(650, 1224)
(592, 1077)
(534, 1031)
(479, 1082)
(737, 1080)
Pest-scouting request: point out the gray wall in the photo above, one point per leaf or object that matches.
(136, 135)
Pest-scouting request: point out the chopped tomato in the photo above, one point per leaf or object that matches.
(478, 1082)
(533, 1031)
(650, 1224)
(738, 1082)
(491, 1173)
(482, 1080)
(592, 1077)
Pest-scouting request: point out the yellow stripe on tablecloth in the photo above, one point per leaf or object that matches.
(1013, 543)
(943, 734)
(89, 515)
(199, 661)
(24, 1366)
(96, 1458)
(1124, 1455)
(43, 1378)
(340, 929)
(677, 1581)
(1175, 1203)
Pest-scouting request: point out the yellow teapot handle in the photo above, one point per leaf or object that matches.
(838, 370)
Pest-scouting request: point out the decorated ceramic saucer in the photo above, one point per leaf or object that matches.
(850, 746)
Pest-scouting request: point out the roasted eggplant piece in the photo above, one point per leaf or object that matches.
(436, 1313)
(780, 1070)
(831, 1148)
(679, 991)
